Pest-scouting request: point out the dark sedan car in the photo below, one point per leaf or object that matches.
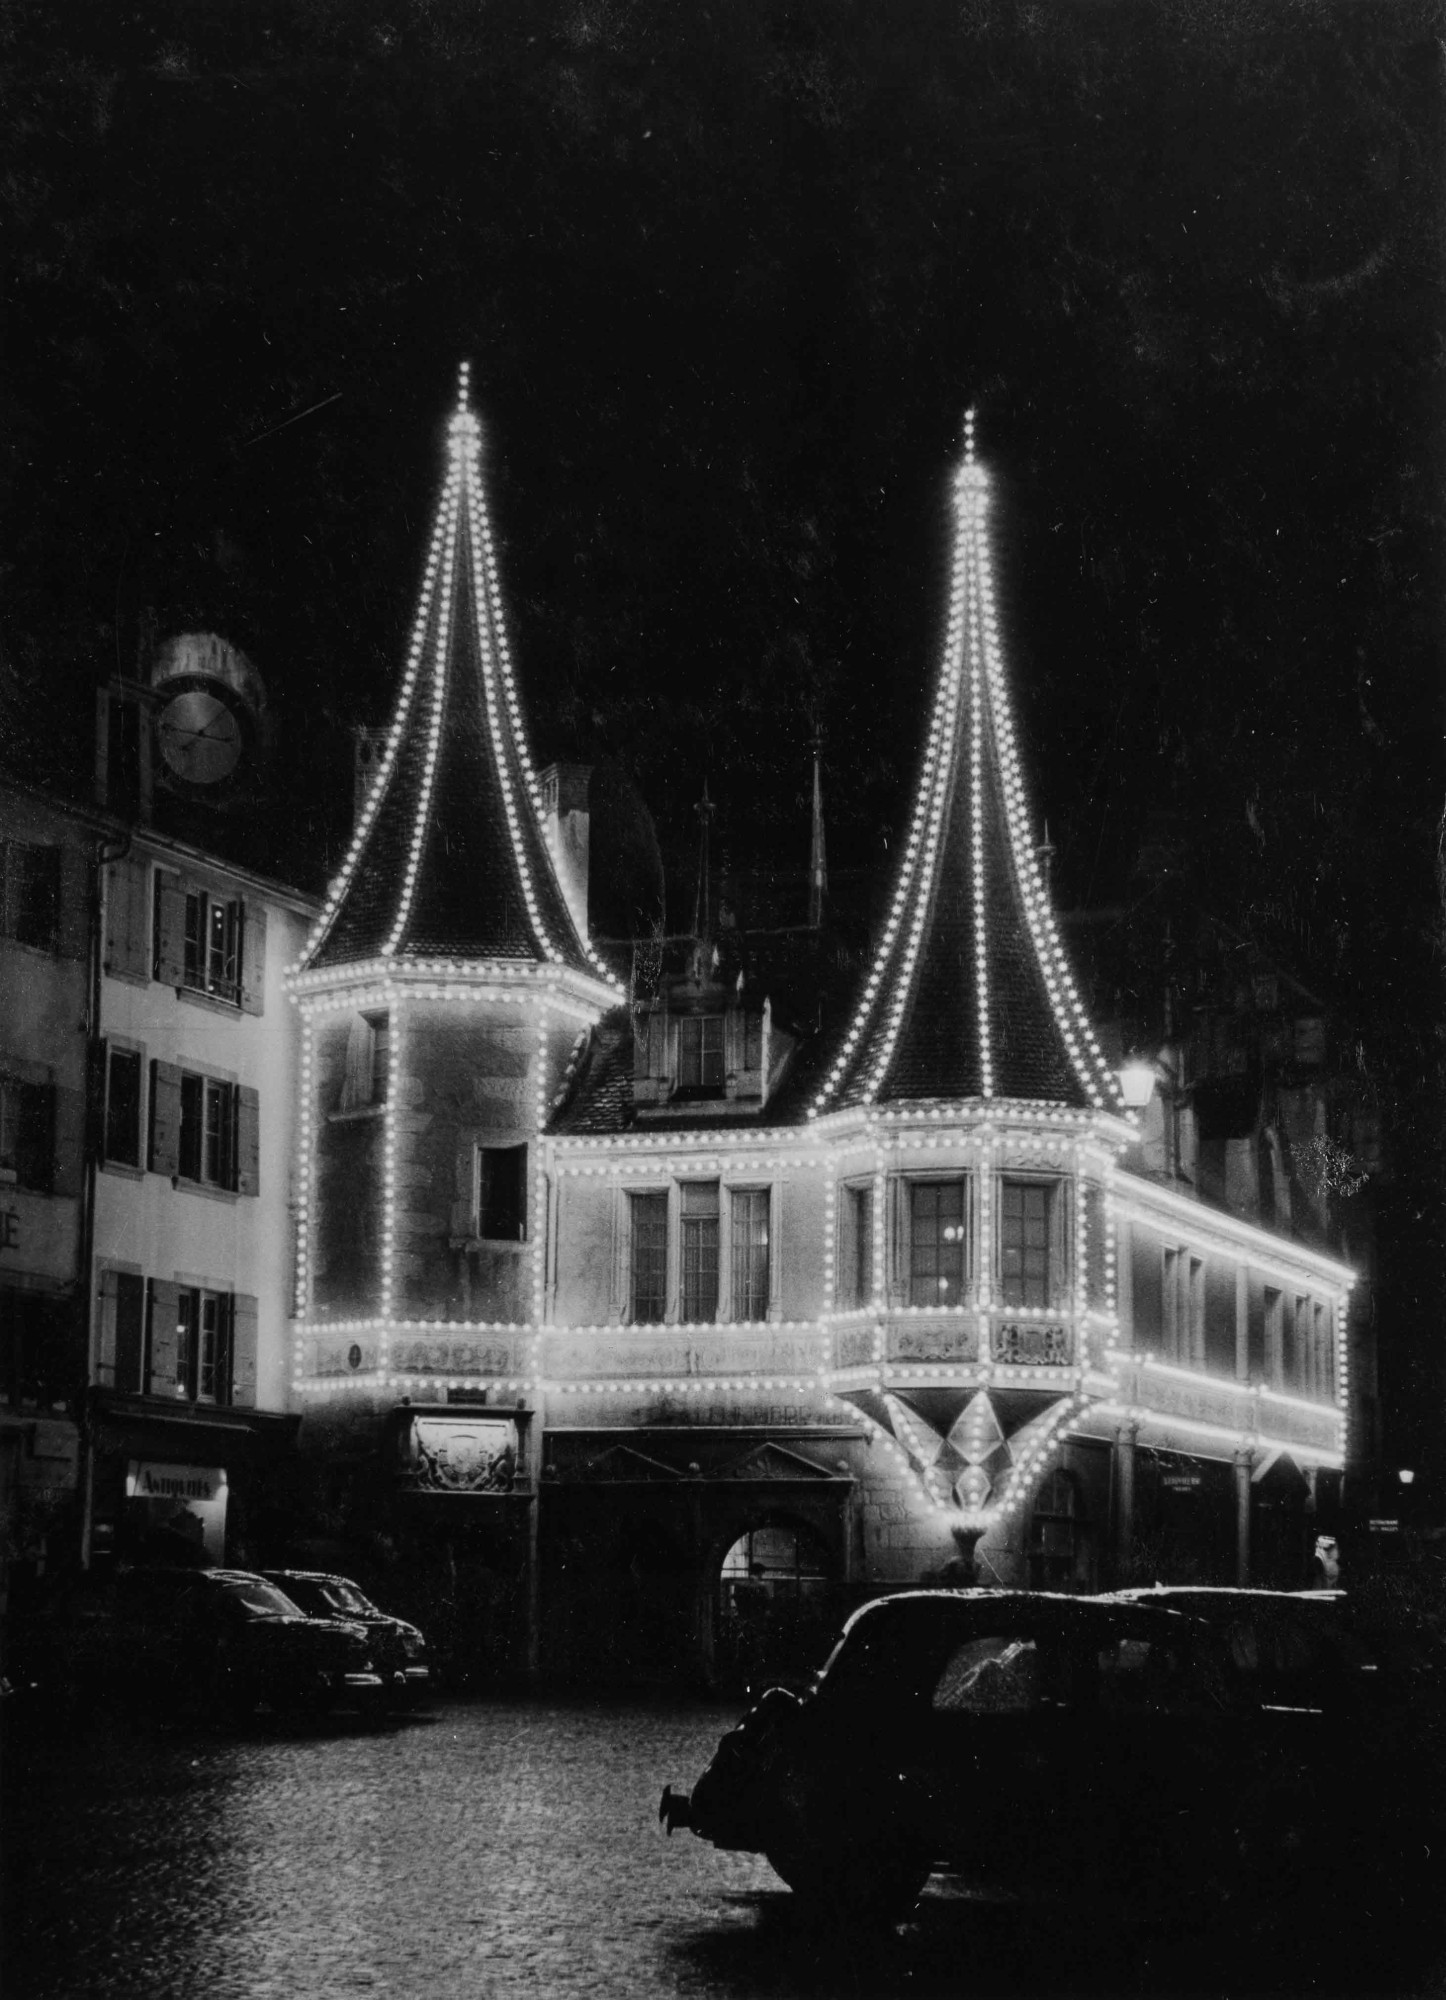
(1075, 1751)
(399, 1649)
(220, 1643)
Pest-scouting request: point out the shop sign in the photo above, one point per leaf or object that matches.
(1182, 1482)
(188, 1500)
(461, 1454)
(1384, 1527)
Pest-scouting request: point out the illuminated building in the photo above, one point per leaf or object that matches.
(644, 1333)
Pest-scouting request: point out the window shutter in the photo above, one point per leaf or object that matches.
(253, 958)
(733, 1042)
(74, 902)
(753, 1041)
(165, 1147)
(109, 1313)
(658, 1044)
(127, 920)
(165, 1304)
(248, 1140)
(170, 954)
(243, 1350)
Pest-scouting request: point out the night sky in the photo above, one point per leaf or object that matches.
(728, 276)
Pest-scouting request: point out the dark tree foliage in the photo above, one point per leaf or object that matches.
(728, 275)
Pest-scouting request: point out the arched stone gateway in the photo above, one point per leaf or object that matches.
(775, 1599)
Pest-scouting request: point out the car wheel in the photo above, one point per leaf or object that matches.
(857, 1885)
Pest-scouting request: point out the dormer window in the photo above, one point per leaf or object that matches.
(700, 1054)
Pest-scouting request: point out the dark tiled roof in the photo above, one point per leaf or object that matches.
(484, 885)
(928, 1026)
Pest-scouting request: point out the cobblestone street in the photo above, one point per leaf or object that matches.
(487, 1849)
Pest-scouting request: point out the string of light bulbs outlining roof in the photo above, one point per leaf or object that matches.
(971, 741)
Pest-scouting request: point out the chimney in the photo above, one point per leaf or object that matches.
(567, 820)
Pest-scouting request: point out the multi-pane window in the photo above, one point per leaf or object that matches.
(1025, 1214)
(27, 1147)
(856, 1246)
(936, 1243)
(648, 1279)
(502, 1193)
(203, 1345)
(30, 894)
(700, 1053)
(700, 1250)
(123, 1106)
(212, 962)
(208, 1131)
(749, 1230)
(204, 1130)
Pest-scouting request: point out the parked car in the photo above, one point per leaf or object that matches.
(1075, 1751)
(216, 1642)
(399, 1649)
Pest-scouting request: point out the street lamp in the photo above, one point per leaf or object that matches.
(1137, 1084)
(1406, 1476)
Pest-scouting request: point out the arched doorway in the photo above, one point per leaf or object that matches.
(774, 1608)
(1061, 1546)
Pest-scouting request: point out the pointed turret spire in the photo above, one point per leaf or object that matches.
(450, 860)
(970, 994)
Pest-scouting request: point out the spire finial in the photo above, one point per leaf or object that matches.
(464, 428)
(971, 481)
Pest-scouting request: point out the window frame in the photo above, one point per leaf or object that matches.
(193, 1364)
(748, 1259)
(31, 894)
(856, 1235)
(119, 1054)
(1052, 1189)
(710, 1062)
(656, 1202)
(207, 1139)
(515, 1210)
(697, 1252)
(27, 1133)
(960, 1246)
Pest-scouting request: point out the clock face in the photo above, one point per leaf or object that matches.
(200, 737)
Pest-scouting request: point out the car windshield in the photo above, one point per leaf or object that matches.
(259, 1596)
(342, 1596)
